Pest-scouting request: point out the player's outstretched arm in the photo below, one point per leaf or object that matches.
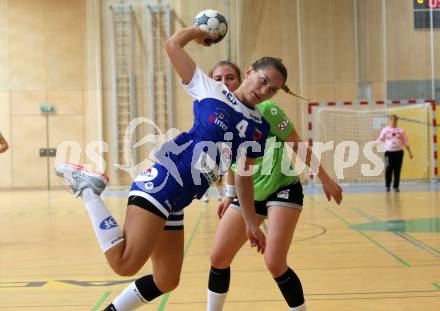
(182, 62)
(331, 187)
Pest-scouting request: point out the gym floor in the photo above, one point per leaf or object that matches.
(377, 251)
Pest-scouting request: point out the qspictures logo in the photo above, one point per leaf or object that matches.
(205, 155)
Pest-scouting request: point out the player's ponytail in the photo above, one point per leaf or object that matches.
(286, 89)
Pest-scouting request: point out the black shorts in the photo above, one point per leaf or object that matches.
(289, 196)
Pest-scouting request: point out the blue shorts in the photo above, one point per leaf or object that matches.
(290, 196)
(157, 191)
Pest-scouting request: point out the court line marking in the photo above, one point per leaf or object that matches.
(424, 244)
(419, 244)
(377, 188)
(436, 285)
(101, 301)
(166, 297)
(389, 252)
(340, 296)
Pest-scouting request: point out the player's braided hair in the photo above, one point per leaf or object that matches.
(286, 89)
(276, 63)
(227, 63)
(267, 61)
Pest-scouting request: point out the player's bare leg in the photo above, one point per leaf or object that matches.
(281, 224)
(229, 238)
(167, 265)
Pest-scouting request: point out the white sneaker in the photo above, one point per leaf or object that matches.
(79, 178)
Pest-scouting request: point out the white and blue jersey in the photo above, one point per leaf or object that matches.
(188, 164)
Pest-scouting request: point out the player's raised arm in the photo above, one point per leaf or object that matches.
(182, 62)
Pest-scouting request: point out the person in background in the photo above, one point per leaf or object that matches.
(395, 140)
(219, 188)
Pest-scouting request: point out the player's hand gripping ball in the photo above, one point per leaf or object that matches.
(213, 22)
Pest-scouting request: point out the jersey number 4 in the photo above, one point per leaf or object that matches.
(241, 128)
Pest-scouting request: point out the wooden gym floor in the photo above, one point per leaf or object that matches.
(378, 251)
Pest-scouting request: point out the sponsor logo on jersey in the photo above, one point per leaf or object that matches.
(218, 119)
(282, 126)
(108, 223)
(274, 111)
(256, 118)
(257, 134)
(231, 99)
(149, 185)
(148, 174)
(283, 194)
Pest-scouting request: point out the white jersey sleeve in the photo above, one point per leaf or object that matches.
(202, 86)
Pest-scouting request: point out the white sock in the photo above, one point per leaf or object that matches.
(299, 308)
(106, 228)
(130, 299)
(215, 301)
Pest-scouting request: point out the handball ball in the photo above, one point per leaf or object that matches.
(213, 22)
